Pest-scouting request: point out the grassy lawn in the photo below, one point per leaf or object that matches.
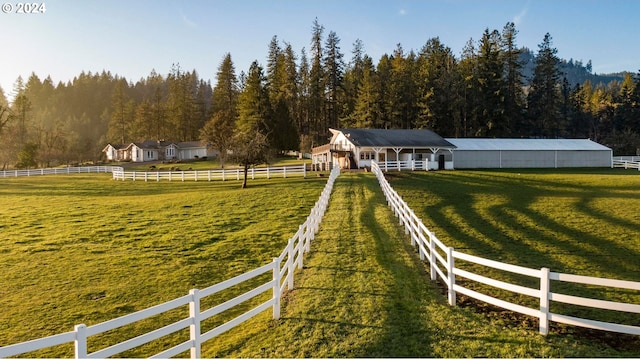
(581, 221)
(364, 293)
(86, 249)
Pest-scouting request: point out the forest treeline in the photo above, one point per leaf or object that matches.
(494, 88)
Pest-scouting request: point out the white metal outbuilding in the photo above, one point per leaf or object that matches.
(528, 153)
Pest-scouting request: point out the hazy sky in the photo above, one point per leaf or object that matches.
(132, 37)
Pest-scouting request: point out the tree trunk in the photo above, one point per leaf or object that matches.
(244, 182)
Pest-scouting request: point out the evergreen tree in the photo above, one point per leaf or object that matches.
(305, 126)
(386, 104)
(284, 135)
(317, 85)
(218, 131)
(544, 94)
(334, 72)
(490, 86)
(513, 80)
(254, 127)
(121, 119)
(353, 77)
(21, 107)
(4, 111)
(366, 113)
(401, 105)
(438, 88)
(470, 107)
(254, 109)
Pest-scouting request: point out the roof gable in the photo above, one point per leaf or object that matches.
(394, 138)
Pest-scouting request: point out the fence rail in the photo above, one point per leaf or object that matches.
(282, 268)
(211, 175)
(627, 162)
(443, 265)
(59, 171)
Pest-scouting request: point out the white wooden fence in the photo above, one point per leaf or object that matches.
(627, 162)
(411, 165)
(59, 171)
(211, 175)
(282, 278)
(443, 264)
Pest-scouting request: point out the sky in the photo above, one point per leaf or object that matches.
(131, 38)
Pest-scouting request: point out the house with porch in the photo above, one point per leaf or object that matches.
(151, 150)
(356, 148)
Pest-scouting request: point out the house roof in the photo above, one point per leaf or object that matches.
(525, 144)
(115, 146)
(146, 145)
(395, 138)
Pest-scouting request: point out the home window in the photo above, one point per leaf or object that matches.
(367, 155)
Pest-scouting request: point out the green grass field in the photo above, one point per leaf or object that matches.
(577, 221)
(364, 293)
(85, 249)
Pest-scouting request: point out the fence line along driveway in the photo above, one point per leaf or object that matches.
(443, 265)
(59, 171)
(119, 173)
(211, 175)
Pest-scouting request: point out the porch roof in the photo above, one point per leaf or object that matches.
(395, 138)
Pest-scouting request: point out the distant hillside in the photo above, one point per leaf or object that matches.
(575, 71)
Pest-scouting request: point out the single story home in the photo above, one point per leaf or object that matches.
(151, 150)
(356, 148)
(529, 153)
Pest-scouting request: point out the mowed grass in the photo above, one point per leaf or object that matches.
(363, 292)
(577, 221)
(87, 249)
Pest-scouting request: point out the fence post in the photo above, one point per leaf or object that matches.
(452, 277)
(81, 341)
(544, 301)
(276, 288)
(304, 170)
(194, 328)
(301, 244)
(291, 265)
(284, 171)
(432, 256)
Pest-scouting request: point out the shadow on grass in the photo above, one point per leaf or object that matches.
(406, 332)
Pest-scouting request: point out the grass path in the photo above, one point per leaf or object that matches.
(364, 293)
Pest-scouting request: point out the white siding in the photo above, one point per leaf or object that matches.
(529, 153)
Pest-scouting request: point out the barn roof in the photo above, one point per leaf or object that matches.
(525, 144)
(395, 138)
